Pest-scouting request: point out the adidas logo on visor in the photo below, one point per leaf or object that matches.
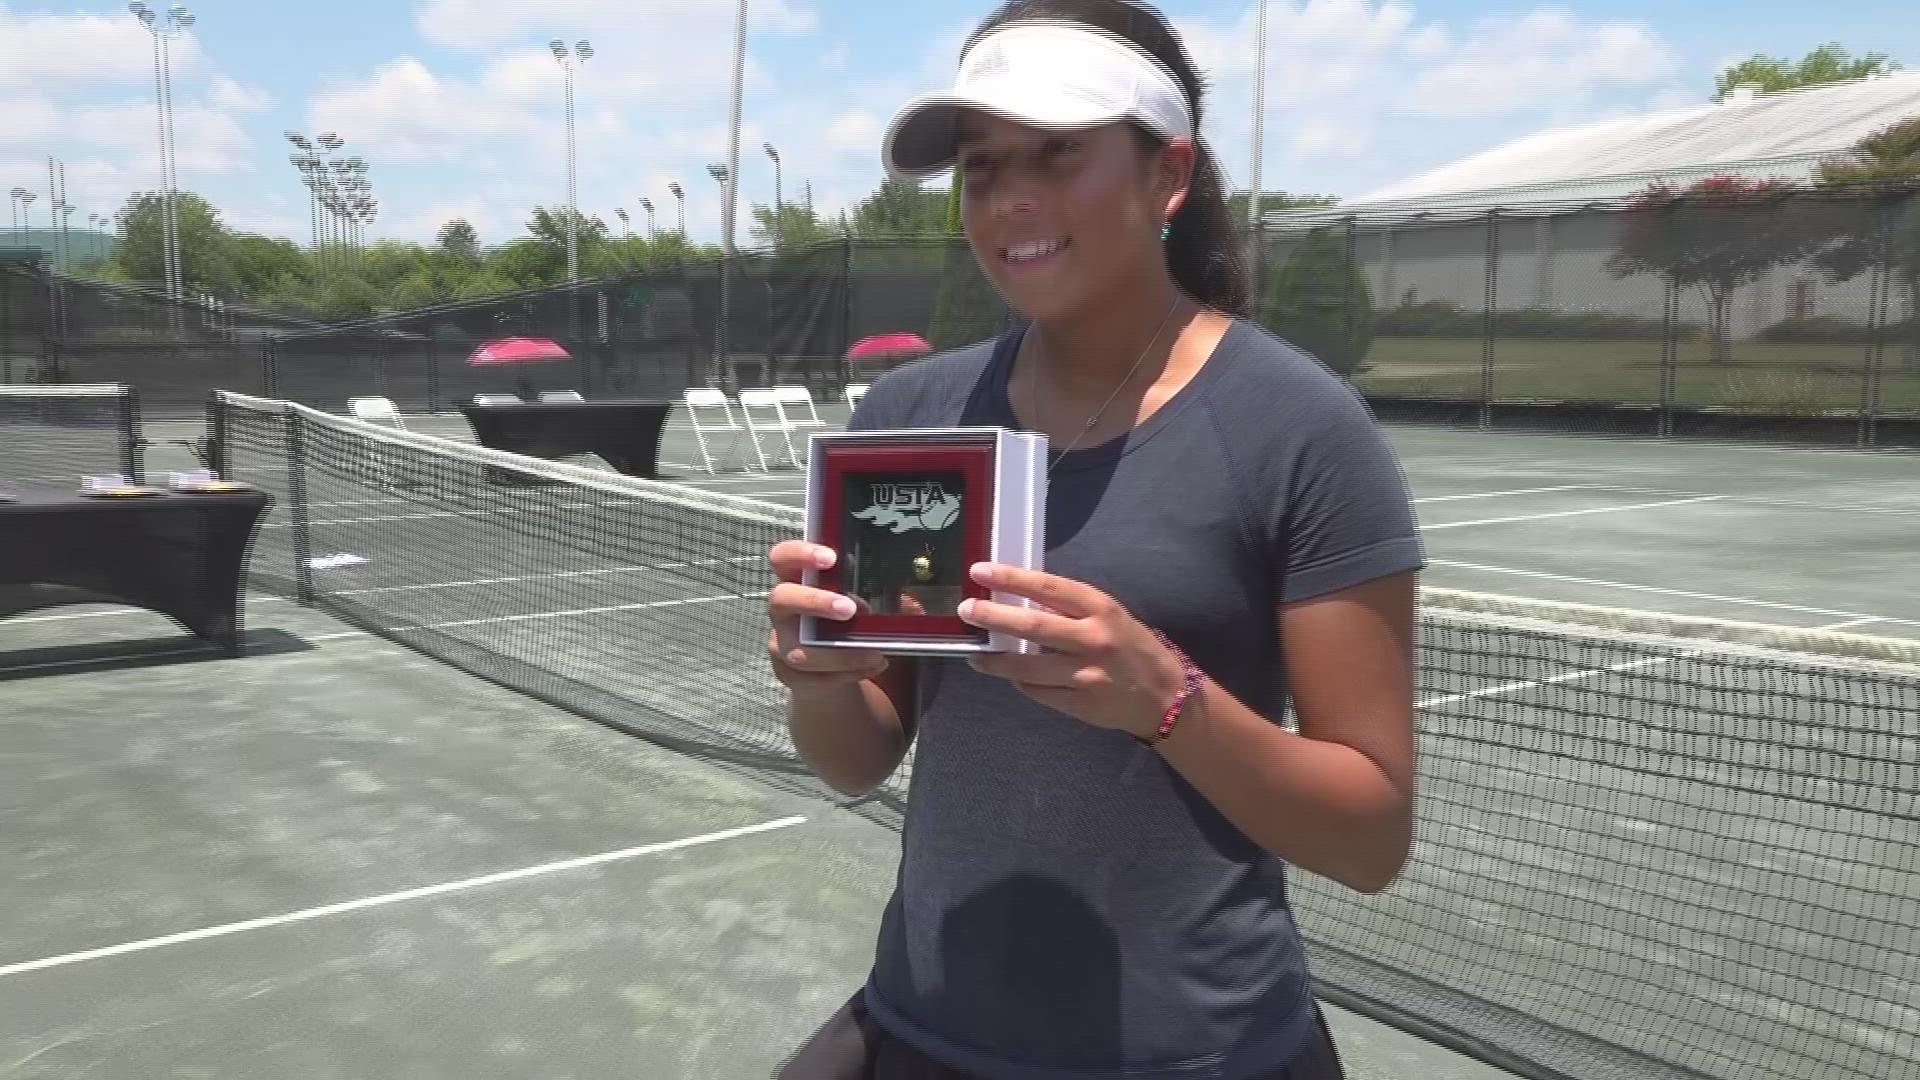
(991, 60)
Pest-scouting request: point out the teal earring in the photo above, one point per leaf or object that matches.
(1165, 231)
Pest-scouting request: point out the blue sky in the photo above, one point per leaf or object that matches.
(458, 107)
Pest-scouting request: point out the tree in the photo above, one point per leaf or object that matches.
(968, 307)
(1874, 197)
(1888, 156)
(1320, 302)
(528, 263)
(1827, 64)
(1273, 202)
(201, 240)
(550, 227)
(1716, 235)
(263, 265)
(458, 239)
(900, 208)
(795, 227)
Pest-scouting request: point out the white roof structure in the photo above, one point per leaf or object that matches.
(1782, 135)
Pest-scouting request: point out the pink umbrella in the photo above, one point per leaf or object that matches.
(517, 350)
(883, 346)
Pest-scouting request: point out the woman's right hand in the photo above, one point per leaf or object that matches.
(799, 668)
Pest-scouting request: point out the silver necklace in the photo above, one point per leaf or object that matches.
(1093, 420)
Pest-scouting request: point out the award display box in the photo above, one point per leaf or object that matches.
(909, 512)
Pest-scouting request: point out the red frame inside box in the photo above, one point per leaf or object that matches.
(974, 462)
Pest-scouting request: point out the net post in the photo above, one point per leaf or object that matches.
(1491, 299)
(129, 420)
(270, 367)
(297, 509)
(1879, 316)
(433, 370)
(217, 437)
(1669, 355)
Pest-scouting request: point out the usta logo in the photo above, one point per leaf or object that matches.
(904, 507)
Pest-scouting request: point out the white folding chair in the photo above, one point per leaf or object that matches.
(764, 412)
(561, 395)
(854, 392)
(796, 405)
(377, 410)
(496, 399)
(710, 400)
(380, 410)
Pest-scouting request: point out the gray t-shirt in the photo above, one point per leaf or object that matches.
(1068, 907)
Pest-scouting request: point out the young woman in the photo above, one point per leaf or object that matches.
(1092, 881)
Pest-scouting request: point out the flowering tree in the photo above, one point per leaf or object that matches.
(1883, 174)
(1715, 235)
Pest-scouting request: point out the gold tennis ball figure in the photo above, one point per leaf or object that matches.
(923, 567)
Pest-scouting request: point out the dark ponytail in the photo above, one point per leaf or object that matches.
(1203, 248)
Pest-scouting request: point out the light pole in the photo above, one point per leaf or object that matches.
(720, 347)
(647, 205)
(305, 161)
(733, 137)
(178, 19)
(22, 200)
(584, 52)
(680, 196)
(1259, 129)
(621, 213)
(775, 155)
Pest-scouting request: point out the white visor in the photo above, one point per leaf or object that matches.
(1057, 76)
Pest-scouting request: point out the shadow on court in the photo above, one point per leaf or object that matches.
(332, 857)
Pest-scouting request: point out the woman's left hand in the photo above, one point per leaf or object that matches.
(1104, 668)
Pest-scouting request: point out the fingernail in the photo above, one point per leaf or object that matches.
(965, 610)
(823, 557)
(981, 572)
(842, 607)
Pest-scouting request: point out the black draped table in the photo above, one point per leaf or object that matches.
(625, 434)
(182, 555)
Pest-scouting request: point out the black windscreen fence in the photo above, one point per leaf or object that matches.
(1785, 316)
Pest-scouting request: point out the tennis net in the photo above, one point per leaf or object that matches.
(57, 434)
(1648, 846)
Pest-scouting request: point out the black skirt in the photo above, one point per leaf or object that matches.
(851, 1045)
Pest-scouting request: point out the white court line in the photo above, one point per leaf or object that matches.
(121, 612)
(532, 615)
(1503, 494)
(752, 478)
(1430, 499)
(543, 577)
(487, 512)
(1656, 590)
(1588, 673)
(363, 903)
(107, 658)
(1849, 624)
(1570, 513)
(1760, 500)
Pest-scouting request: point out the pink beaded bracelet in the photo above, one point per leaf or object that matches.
(1191, 677)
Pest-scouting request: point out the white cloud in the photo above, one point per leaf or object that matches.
(1354, 87)
(28, 118)
(80, 49)
(659, 24)
(407, 115)
(1541, 59)
(858, 130)
(79, 88)
(230, 95)
(207, 141)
